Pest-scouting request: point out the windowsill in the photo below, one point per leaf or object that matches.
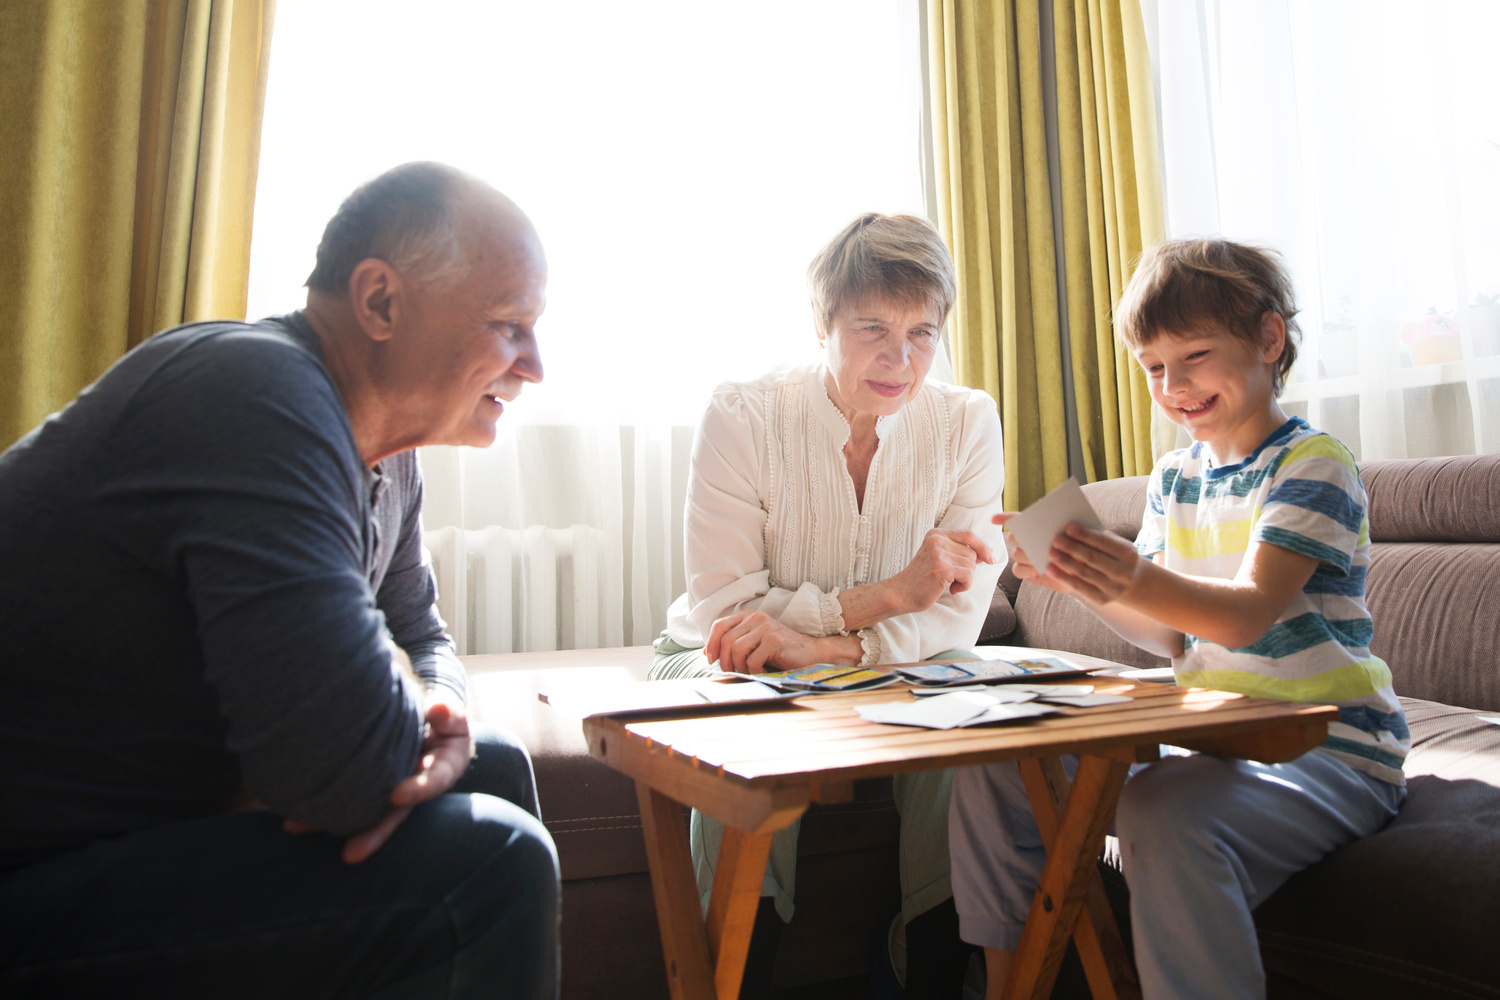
(1401, 378)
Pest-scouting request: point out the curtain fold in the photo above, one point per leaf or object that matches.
(130, 136)
(995, 204)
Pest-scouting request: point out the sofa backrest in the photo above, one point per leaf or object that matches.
(1433, 588)
(1434, 583)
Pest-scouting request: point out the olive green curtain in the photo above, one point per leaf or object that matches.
(995, 206)
(129, 143)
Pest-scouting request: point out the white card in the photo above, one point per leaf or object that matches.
(1491, 719)
(1007, 693)
(719, 691)
(1007, 713)
(1036, 526)
(943, 712)
(1048, 690)
(1085, 700)
(953, 710)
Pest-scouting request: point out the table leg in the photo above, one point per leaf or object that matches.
(1073, 849)
(1108, 966)
(684, 940)
(731, 909)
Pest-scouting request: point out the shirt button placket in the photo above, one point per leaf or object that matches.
(861, 548)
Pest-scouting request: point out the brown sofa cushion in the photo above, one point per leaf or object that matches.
(1434, 499)
(1436, 608)
(1377, 918)
(1046, 619)
(589, 808)
(1001, 619)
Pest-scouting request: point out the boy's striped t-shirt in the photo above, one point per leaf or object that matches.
(1299, 490)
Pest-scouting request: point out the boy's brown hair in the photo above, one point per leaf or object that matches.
(1180, 286)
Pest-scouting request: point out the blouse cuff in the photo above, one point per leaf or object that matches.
(869, 640)
(831, 614)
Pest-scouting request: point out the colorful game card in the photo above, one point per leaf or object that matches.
(960, 672)
(827, 677)
(935, 673)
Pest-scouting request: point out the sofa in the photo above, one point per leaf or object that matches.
(1412, 911)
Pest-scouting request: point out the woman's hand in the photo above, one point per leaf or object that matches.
(943, 565)
(752, 642)
(1095, 566)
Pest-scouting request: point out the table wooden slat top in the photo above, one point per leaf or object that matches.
(765, 745)
(758, 765)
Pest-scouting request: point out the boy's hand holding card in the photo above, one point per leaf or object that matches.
(1036, 526)
(1091, 563)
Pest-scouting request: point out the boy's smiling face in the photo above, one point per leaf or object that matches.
(1217, 386)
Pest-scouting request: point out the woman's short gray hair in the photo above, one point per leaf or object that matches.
(404, 217)
(898, 257)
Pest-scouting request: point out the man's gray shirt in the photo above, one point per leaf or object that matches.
(198, 573)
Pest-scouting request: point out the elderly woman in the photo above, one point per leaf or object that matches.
(839, 512)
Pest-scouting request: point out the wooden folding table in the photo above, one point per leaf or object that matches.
(757, 767)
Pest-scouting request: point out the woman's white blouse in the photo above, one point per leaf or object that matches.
(772, 521)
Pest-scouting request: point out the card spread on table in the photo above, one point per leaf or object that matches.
(1006, 694)
(827, 677)
(968, 672)
(1036, 526)
(952, 710)
(1085, 700)
(736, 690)
(947, 711)
(1054, 690)
(935, 673)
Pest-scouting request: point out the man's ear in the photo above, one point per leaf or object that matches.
(377, 295)
(1272, 335)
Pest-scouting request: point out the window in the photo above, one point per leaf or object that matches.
(683, 161)
(1362, 139)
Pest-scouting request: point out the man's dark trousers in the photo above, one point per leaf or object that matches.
(461, 902)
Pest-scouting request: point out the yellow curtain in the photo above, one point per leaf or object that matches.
(995, 209)
(129, 143)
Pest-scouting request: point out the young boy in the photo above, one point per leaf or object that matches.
(1249, 573)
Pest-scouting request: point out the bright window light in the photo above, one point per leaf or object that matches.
(683, 161)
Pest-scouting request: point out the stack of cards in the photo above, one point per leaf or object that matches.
(735, 687)
(952, 710)
(974, 706)
(826, 677)
(967, 672)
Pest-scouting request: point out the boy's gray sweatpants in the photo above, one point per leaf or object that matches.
(1204, 840)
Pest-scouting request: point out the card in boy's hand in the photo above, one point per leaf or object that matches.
(1036, 526)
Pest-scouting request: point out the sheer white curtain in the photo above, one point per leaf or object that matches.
(1361, 139)
(682, 161)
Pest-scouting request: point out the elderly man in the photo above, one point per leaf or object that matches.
(219, 638)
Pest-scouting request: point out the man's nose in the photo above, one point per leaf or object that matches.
(528, 364)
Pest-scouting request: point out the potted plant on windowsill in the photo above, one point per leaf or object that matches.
(1434, 340)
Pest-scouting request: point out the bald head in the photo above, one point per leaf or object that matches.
(420, 218)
